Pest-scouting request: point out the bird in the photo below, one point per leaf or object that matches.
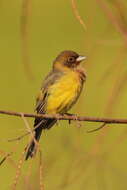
(59, 92)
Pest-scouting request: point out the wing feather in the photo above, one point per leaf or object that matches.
(41, 100)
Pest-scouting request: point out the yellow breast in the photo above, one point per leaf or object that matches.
(64, 93)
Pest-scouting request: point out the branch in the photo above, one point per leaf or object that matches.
(77, 15)
(25, 28)
(66, 117)
(113, 19)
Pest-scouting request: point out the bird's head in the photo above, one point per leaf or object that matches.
(68, 59)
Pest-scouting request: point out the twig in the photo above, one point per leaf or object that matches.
(25, 22)
(103, 125)
(67, 117)
(27, 177)
(41, 172)
(18, 138)
(74, 7)
(26, 148)
(104, 5)
(18, 172)
(25, 134)
(27, 126)
(7, 157)
(4, 159)
(31, 133)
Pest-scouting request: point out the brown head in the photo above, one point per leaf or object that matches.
(68, 59)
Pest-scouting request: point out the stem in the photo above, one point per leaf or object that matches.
(66, 117)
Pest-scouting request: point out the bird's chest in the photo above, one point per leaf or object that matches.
(64, 93)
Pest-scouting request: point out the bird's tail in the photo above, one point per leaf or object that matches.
(39, 124)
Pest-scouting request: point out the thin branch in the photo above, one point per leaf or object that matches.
(5, 158)
(67, 117)
(18, 172)
(25, 134)
(18, 138)
(77, 15)
(104, 5)
(41, 172)
(25, 25)
(31, 133)
(97, 129)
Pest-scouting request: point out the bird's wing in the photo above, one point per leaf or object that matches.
(41, 100)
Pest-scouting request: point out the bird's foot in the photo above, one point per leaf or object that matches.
(69, 114)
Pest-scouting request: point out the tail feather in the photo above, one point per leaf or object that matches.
(40, 124)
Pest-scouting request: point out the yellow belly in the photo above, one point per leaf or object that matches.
(64, 93)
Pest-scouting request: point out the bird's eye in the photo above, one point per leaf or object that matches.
(71, 59)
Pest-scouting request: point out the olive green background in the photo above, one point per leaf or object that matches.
(72, 159)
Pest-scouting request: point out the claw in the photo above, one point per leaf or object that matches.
(69, 114)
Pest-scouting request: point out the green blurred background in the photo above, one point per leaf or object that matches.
(32, 33)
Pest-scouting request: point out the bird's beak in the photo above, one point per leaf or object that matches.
(80, 58)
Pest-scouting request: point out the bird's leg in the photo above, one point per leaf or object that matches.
(69, 114)
(75, 117)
